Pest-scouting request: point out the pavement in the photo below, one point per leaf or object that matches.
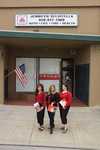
(19, 129)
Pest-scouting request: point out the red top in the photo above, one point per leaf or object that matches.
(40, 98)
(67, 96)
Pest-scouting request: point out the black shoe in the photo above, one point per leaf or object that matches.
(51, 130)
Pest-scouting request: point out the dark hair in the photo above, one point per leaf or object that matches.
(42, 87)
(66, 85)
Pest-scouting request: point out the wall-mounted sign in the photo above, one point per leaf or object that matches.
(46, 20)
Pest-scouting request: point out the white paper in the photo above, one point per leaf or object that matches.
(37, 107)
(63, 103)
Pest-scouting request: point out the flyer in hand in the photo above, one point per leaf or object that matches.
(63, 103)
(37, 107)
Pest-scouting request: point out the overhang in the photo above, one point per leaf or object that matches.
(43, 39)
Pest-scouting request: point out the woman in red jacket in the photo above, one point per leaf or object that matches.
(40, 100)
(64, 106)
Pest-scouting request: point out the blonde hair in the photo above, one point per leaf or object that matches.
(50, 87)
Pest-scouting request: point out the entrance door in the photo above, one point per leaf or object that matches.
(82, 82)
(67, 71)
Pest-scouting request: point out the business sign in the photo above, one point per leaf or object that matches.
(46, 20)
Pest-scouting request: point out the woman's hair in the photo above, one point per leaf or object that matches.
(51, 88)
(42, 88)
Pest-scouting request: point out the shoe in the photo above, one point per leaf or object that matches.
(51, 130)
(65, 130)
(41, 128)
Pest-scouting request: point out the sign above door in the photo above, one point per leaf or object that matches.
(46, 19)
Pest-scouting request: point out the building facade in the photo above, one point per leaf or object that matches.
(57, 41)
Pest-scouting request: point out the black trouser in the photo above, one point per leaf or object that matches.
(63, 114)
(40, 117)
(51, 117)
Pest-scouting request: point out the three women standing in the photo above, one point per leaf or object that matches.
(52, 100)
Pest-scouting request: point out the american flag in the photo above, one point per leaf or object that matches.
(21, 74)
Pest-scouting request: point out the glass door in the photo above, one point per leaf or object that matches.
(50, 72)
(67, 73)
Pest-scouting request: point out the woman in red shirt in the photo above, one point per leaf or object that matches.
(40, 99)
(64, 106)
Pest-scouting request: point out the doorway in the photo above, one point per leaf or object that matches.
(82, 82)
(67, 73)
(76, 76)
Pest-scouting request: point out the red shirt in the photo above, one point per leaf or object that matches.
(67, 96)
(40, 98)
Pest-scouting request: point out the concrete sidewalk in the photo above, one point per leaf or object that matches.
(18, 127)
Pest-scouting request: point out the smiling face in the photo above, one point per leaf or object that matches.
(64, 87)
(52, 89)
(39, 88)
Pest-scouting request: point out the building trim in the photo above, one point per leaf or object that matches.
(45, 35)
(49, 4)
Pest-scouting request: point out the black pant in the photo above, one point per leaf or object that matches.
(40, 117)
(51, 117)
(63, 114)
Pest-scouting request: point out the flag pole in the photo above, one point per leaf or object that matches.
(9, 73)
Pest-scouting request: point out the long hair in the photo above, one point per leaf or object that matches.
(51, 88)
(42, 88)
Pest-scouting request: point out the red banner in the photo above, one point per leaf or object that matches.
(49, 77)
